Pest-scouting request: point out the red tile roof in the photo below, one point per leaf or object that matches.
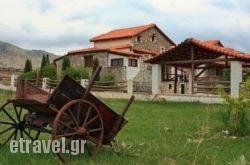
(122, 33)
(127, 32)
(208, 49)
(90, 50)
(145, 52)
(213, 42)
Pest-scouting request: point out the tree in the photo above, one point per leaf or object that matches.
(43, 62)
(65, 64)
(47, 59)
(49, 71)
(27, 66)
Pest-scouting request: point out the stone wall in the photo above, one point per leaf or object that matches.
(167, 87)
(146, 42)
(118, 72)
(78, 60)
(143, 80)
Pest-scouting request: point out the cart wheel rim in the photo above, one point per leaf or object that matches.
(79, 120)
(12, 123)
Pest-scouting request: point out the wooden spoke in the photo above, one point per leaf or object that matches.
(67, 134)
(87, 119)
(4, 122)
(92, 119)
(10, 117)
(95, 130)
(87, 116)
(28, 134)
(13, 133)
(6, 130)
(73, 117)
(65, 125)
(12, 123)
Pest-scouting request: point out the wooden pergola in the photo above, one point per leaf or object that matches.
(192, 54)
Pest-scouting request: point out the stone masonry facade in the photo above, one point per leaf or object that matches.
(146, 43)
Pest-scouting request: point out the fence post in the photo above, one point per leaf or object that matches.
(13, 82)
(84, 82)
(44, 85)
(130, 87)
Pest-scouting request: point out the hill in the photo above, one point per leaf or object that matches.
(14, 56)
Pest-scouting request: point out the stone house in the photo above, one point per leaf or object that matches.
(122, 52)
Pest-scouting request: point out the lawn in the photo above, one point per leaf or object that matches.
(158, 133)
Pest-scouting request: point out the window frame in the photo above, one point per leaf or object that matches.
(116, 62)
(132, 62)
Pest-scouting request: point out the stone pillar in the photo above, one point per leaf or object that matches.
(190, 82)
(156, 78)
(13, 82)
(130, 87)
(44, 85)
(235, 78)
(84, 82)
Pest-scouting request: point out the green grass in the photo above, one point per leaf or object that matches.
(158, 133)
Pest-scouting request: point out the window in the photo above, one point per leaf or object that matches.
(132, 62)
(153, 38)
(162, 49)
(117, 62)
(88, 61)
(138, 38)
(165, 73)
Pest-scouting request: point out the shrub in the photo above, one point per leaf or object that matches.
(49, 71)
(28, 75)
(107, 79)
(77, 73)
(235, 119)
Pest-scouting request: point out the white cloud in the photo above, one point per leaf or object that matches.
(62, 25)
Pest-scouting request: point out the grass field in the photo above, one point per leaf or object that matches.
(158, 133)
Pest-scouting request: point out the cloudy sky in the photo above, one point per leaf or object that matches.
(58, 26)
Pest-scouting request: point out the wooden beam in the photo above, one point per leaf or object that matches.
(175, 79)
(196, 61)
(200, 72)
(192, 69)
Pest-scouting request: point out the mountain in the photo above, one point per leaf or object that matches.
(15, 57)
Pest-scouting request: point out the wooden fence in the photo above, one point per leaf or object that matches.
(209, 87)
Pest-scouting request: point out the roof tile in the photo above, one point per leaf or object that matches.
(122, 33)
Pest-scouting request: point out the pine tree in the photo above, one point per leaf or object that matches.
(43, 62)
(30, 65)
(27, 66)
(65, 64)
(47, 59)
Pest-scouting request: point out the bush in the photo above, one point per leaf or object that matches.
(107, 79)
(49, 71)
(235, 119)
(77, 73)
(28, 75)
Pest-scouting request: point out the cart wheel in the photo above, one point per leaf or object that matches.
(12, 124)
(78, 120)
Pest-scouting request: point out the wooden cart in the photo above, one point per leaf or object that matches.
(70, 111)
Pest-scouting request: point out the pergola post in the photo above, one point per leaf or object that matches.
(235, 78)
(156, 78)
(190, 81)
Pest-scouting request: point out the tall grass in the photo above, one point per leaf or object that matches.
(158, 133)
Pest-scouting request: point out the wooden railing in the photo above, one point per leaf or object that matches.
(209, 87)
